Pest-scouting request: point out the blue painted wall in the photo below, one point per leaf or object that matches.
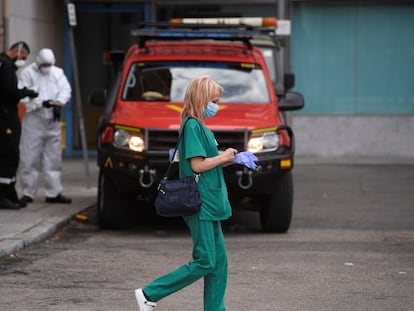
(354, 59)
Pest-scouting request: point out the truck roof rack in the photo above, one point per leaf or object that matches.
(175, 31)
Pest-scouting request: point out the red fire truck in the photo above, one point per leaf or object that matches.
(141, 118)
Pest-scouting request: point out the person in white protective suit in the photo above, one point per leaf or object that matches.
(40, 144)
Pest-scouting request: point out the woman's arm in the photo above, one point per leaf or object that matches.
(200, 164)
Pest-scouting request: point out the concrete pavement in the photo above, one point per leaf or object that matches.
(40, 220)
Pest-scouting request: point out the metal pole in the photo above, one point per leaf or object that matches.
(281, 14)
(4, 25)
(78, 103)
(281, 9)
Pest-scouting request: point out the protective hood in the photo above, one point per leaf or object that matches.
(45, 56)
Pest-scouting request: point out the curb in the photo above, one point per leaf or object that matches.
(38, 233)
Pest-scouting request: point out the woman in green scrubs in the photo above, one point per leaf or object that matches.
(198, 154)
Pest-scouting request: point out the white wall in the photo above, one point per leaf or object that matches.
(39, 23)
(388, 138)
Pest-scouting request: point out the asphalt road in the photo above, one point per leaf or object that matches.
(350, 247)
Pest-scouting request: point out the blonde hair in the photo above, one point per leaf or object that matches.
(199, 92)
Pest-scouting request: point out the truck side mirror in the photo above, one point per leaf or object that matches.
(292, 101)
(289, 80)
(97, 97)
(113, 57)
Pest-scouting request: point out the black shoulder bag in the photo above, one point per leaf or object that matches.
(177, 197)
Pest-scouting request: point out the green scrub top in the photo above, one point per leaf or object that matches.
(199, 141)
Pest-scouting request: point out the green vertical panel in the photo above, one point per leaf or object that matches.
(385, 59)
(323, 57)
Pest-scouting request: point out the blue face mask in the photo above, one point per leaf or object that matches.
(210, 110)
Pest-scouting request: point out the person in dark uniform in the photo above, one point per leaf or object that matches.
(10, 96)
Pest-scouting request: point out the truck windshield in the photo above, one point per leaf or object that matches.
(155, 81)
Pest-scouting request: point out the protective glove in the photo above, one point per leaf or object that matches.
(246, 158)
(56, 112)
(48, 103)
(33, 105)
(28, 93)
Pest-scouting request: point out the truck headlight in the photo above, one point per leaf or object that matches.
(121, 138)
(127, 140)
(136, 143)
(263, 143)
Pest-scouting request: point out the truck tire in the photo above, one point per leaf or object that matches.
(276, 212)
(110, 209)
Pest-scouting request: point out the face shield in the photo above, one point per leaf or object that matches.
(19, 62)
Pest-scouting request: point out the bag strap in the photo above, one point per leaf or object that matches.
(180, 136)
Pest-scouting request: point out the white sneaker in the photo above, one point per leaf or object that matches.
(143, 303)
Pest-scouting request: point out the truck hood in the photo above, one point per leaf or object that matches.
(167, 115)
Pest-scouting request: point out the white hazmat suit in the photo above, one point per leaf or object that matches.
(40, 144)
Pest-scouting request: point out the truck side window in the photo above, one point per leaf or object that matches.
(270, 63)
(130, 84)
(152, 83)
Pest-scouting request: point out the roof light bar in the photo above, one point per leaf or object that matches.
(191, 32)
(252, 21)
(229, 34)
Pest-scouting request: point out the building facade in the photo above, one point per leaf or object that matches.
(353, 61)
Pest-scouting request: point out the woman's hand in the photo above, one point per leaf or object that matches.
(228, 156)
(200, 164)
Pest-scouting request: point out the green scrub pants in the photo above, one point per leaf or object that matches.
(209, 261)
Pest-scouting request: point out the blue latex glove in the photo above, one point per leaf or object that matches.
(246, 158)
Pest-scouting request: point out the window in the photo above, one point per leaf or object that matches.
(167, 81)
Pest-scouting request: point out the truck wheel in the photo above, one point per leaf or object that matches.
(276, 213)
(109, 210)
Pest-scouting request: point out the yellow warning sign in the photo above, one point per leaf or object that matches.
(180, 109)
(175, 107)
(108, 162)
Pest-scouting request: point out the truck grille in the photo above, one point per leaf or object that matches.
(163, 140)
(231, 139)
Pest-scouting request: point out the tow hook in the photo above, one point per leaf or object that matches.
(147, 174)
(245, 179)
